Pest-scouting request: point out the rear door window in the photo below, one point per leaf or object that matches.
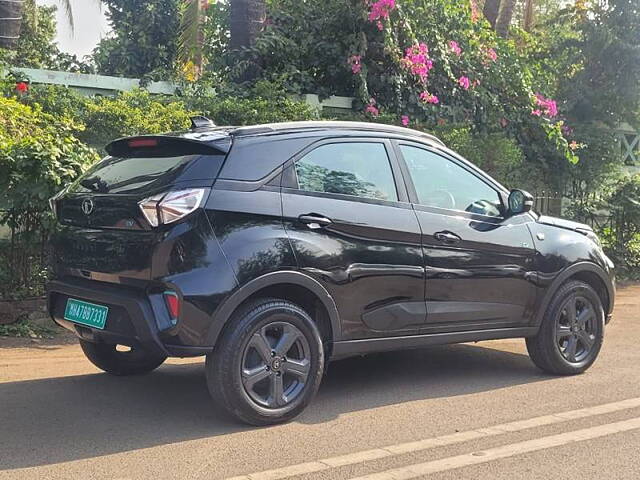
(359, 169)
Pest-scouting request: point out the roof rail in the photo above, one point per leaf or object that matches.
(321, 125)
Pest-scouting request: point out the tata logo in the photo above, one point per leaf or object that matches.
(87, 206)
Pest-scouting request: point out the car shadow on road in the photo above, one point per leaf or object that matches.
(63, 419)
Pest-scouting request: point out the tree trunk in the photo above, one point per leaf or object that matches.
(529, 15)
(504, 17)
(246, 22)
(490, 10)
(10, 22)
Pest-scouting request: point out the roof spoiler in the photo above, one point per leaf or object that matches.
(162, 145)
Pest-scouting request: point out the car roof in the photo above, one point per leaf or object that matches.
(214, 135)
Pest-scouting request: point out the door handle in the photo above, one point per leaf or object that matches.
(315, 221)
(447, 237)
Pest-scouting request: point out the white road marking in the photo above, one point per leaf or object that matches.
(454, 438)
(492, 454)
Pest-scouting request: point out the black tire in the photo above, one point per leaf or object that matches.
(133, 362)
(572, 331)
(253, 375)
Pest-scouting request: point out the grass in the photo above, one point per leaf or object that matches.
(25, 329)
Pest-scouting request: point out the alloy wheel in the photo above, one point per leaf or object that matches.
(275, 365)
(576, 328)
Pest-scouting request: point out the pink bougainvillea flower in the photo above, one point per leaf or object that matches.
(405, 120)
(475, 11)
(455, 48)
(417, 61)
(536, 112)
(22, 87)
(426, 97)
(476, 83)
(492, 55)
(354, 62)
(380, 9)
(372, 110)
(380, 25)
(464, 82)
(574, 145)
(547, 106)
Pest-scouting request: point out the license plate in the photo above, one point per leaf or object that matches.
(86, 313)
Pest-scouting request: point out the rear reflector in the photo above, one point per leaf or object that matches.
(172, 301)
(143, 142)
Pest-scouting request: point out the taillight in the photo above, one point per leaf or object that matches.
(172, 206)
(172, 301)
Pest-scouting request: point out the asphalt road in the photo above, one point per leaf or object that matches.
(446, 413)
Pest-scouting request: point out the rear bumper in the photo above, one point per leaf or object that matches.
(133, 315)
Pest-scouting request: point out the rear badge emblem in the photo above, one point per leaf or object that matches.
(87, 206)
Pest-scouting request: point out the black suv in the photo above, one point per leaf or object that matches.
(273, 249)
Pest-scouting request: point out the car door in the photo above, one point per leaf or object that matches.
(479, 264)
(347, 214)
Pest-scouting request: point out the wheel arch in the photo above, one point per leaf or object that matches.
(588, 272)
(294, 286)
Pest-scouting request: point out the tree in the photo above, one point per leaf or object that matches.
(490, 10)
(12, 14)
(505, 15)
(603, 63)
(142, 40)
(246, 22)
(36, 48)
(529, 15)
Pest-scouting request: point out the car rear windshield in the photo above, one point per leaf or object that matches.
(129, 175)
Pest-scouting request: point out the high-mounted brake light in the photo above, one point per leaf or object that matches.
(172, 206)
(143, 142)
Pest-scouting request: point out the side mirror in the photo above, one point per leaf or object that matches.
(520, 202)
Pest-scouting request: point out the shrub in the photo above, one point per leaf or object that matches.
(132, 113)
(495, 153)
(245, 111)
(39, 154)
(621, 236)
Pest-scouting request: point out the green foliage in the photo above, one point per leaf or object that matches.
(306, 44)
(495, 153)
(39, 155)
(215, 48)
(307, 47)
(244, 111)
(132, 113)
(603, 62)
(24, 329)
(142, 42)
(36, 47)
(621, 236)
(56, 100)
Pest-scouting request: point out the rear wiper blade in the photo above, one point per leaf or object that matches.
(95, 184)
